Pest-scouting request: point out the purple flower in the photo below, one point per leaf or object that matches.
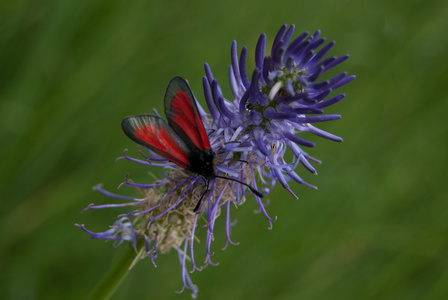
(282, 100)
(249, 136)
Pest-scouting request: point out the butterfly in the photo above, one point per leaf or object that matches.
(183, 140)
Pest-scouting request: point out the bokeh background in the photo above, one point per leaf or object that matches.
(377, 228)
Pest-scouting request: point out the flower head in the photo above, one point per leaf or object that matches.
(249, 136)
(283, 100)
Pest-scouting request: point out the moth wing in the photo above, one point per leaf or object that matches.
(183, 115)
(155, 134)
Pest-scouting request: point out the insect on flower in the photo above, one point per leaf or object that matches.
(183, 140)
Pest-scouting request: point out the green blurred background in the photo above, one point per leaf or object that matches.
(377, 228)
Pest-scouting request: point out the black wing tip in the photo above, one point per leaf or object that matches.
(178, 79)
(176, 83)
(126, 123)
(140, 115)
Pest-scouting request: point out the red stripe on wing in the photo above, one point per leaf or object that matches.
(183, 115)
(154, 133)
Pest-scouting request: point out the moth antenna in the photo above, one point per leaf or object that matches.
(202, 196)
(243, 183)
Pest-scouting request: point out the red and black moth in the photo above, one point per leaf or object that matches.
(183, 140)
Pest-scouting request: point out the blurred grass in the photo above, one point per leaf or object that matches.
(375, 229)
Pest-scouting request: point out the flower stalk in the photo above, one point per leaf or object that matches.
(113, 279)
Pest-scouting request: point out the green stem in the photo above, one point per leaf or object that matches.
(109, 284)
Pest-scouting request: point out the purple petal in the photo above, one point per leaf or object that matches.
(209, 99)
(330, 101)
(278, 37)
(297, 41)
(316, 58)
(297, 140)
(315, 119)
(208, 73)
(235, 65)
(324, 134)
(259, 51)
(344, 81)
